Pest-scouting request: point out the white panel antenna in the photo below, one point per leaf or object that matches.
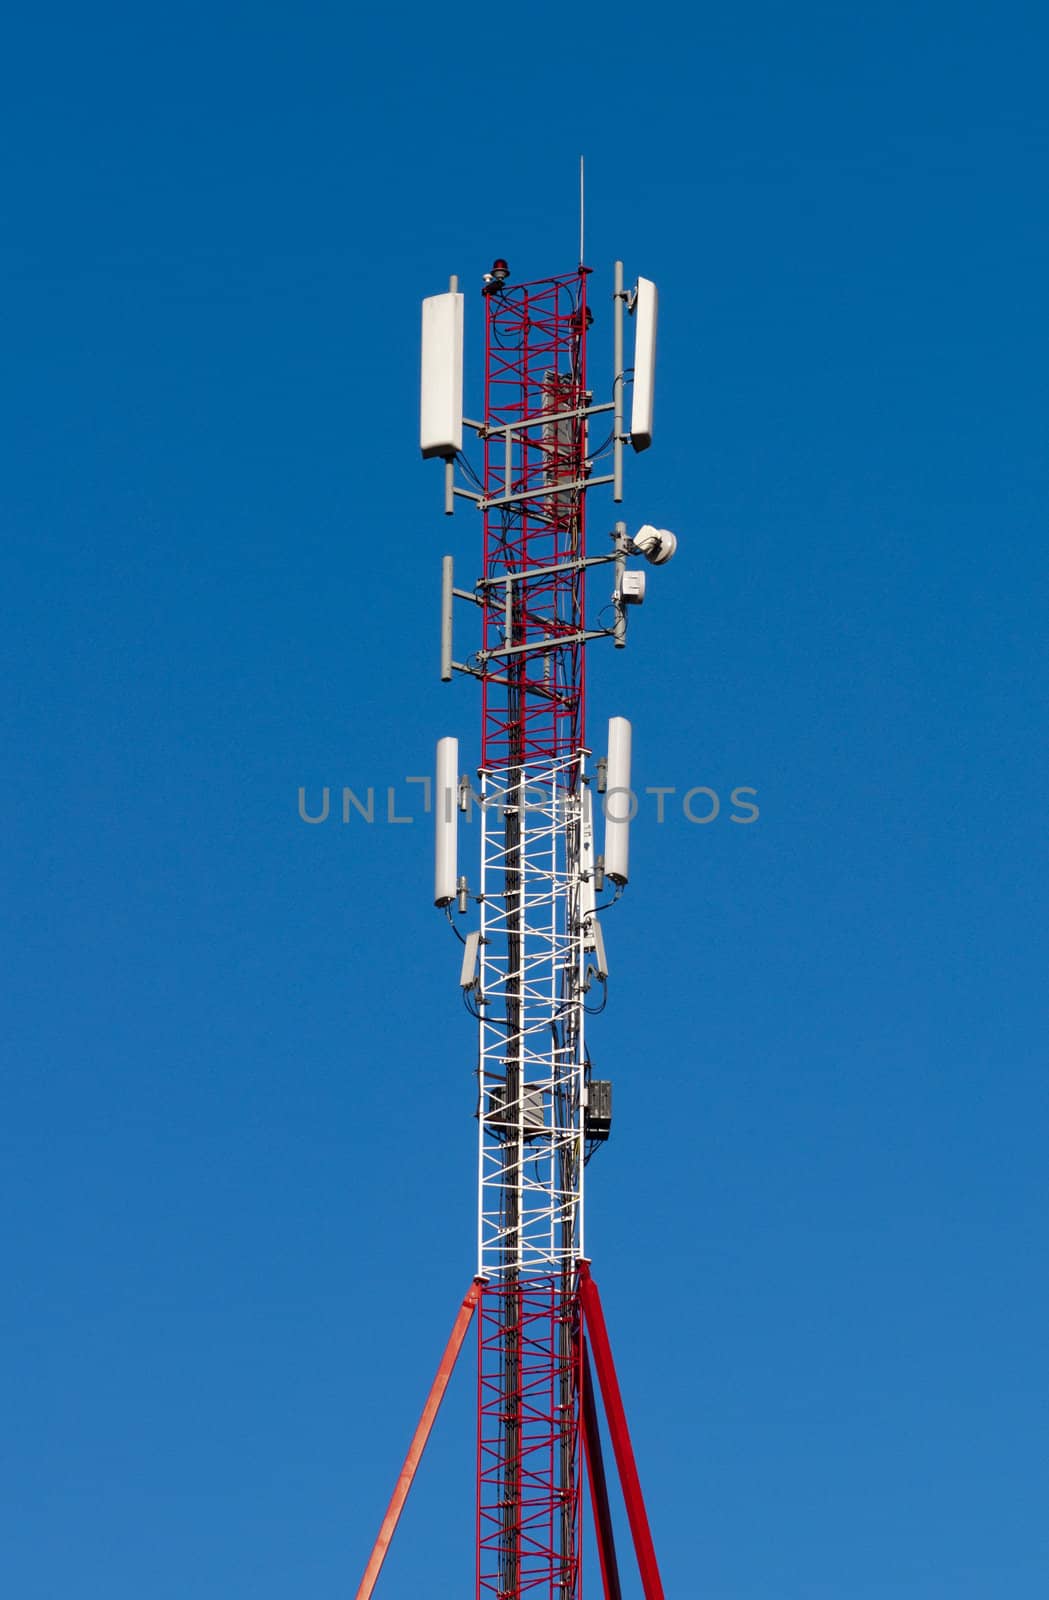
(646, 313)
(598, 946)
(468, 971)
(619, 801)
(441, 400)
(587, 896)
(446, 823)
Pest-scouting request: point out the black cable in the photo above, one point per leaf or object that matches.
(610, 903)
(595, 1011)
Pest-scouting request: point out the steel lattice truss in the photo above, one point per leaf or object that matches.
(531, 1029)
(534, 476)
(531, 1054)
(516, 1511)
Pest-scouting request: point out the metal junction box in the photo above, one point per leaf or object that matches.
(504, 1117)
(597, 1124)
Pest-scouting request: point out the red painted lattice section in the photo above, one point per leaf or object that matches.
(535, 371)
(528, 1523)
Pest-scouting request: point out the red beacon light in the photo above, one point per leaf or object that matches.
(494, 280)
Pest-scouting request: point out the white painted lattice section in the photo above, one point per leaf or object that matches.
(530, 1159)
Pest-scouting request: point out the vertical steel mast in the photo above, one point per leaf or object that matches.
(537, 951)
(532, 1068)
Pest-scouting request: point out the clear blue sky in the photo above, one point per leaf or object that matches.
(236, 1146)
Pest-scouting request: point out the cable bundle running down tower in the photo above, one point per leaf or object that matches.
(534, 964)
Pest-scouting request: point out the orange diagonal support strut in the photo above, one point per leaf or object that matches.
(418, 1444)
(594, 1318)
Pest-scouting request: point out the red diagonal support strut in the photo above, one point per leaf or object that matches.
(418, 1444)
(595, 1471)
(594, 1317)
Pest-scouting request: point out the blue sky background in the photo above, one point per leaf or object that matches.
(236, 1188)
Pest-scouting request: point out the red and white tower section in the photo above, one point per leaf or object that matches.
(533, 963)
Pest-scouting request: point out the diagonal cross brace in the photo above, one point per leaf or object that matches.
(418, 1444)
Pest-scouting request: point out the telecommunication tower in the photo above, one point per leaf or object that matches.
(533, 964)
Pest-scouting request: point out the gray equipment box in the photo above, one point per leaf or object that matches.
(597, 1124)
(504, 1118)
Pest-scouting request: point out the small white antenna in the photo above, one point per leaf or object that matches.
(581, 211)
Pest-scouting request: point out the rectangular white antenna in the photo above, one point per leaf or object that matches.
(587, 896)
(468, 971)
(646, 314)
(592, 939)
(620, 804)
(446, 823)
(441, 399)
(600, 959)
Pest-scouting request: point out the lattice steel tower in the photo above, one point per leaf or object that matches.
(533, 961)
